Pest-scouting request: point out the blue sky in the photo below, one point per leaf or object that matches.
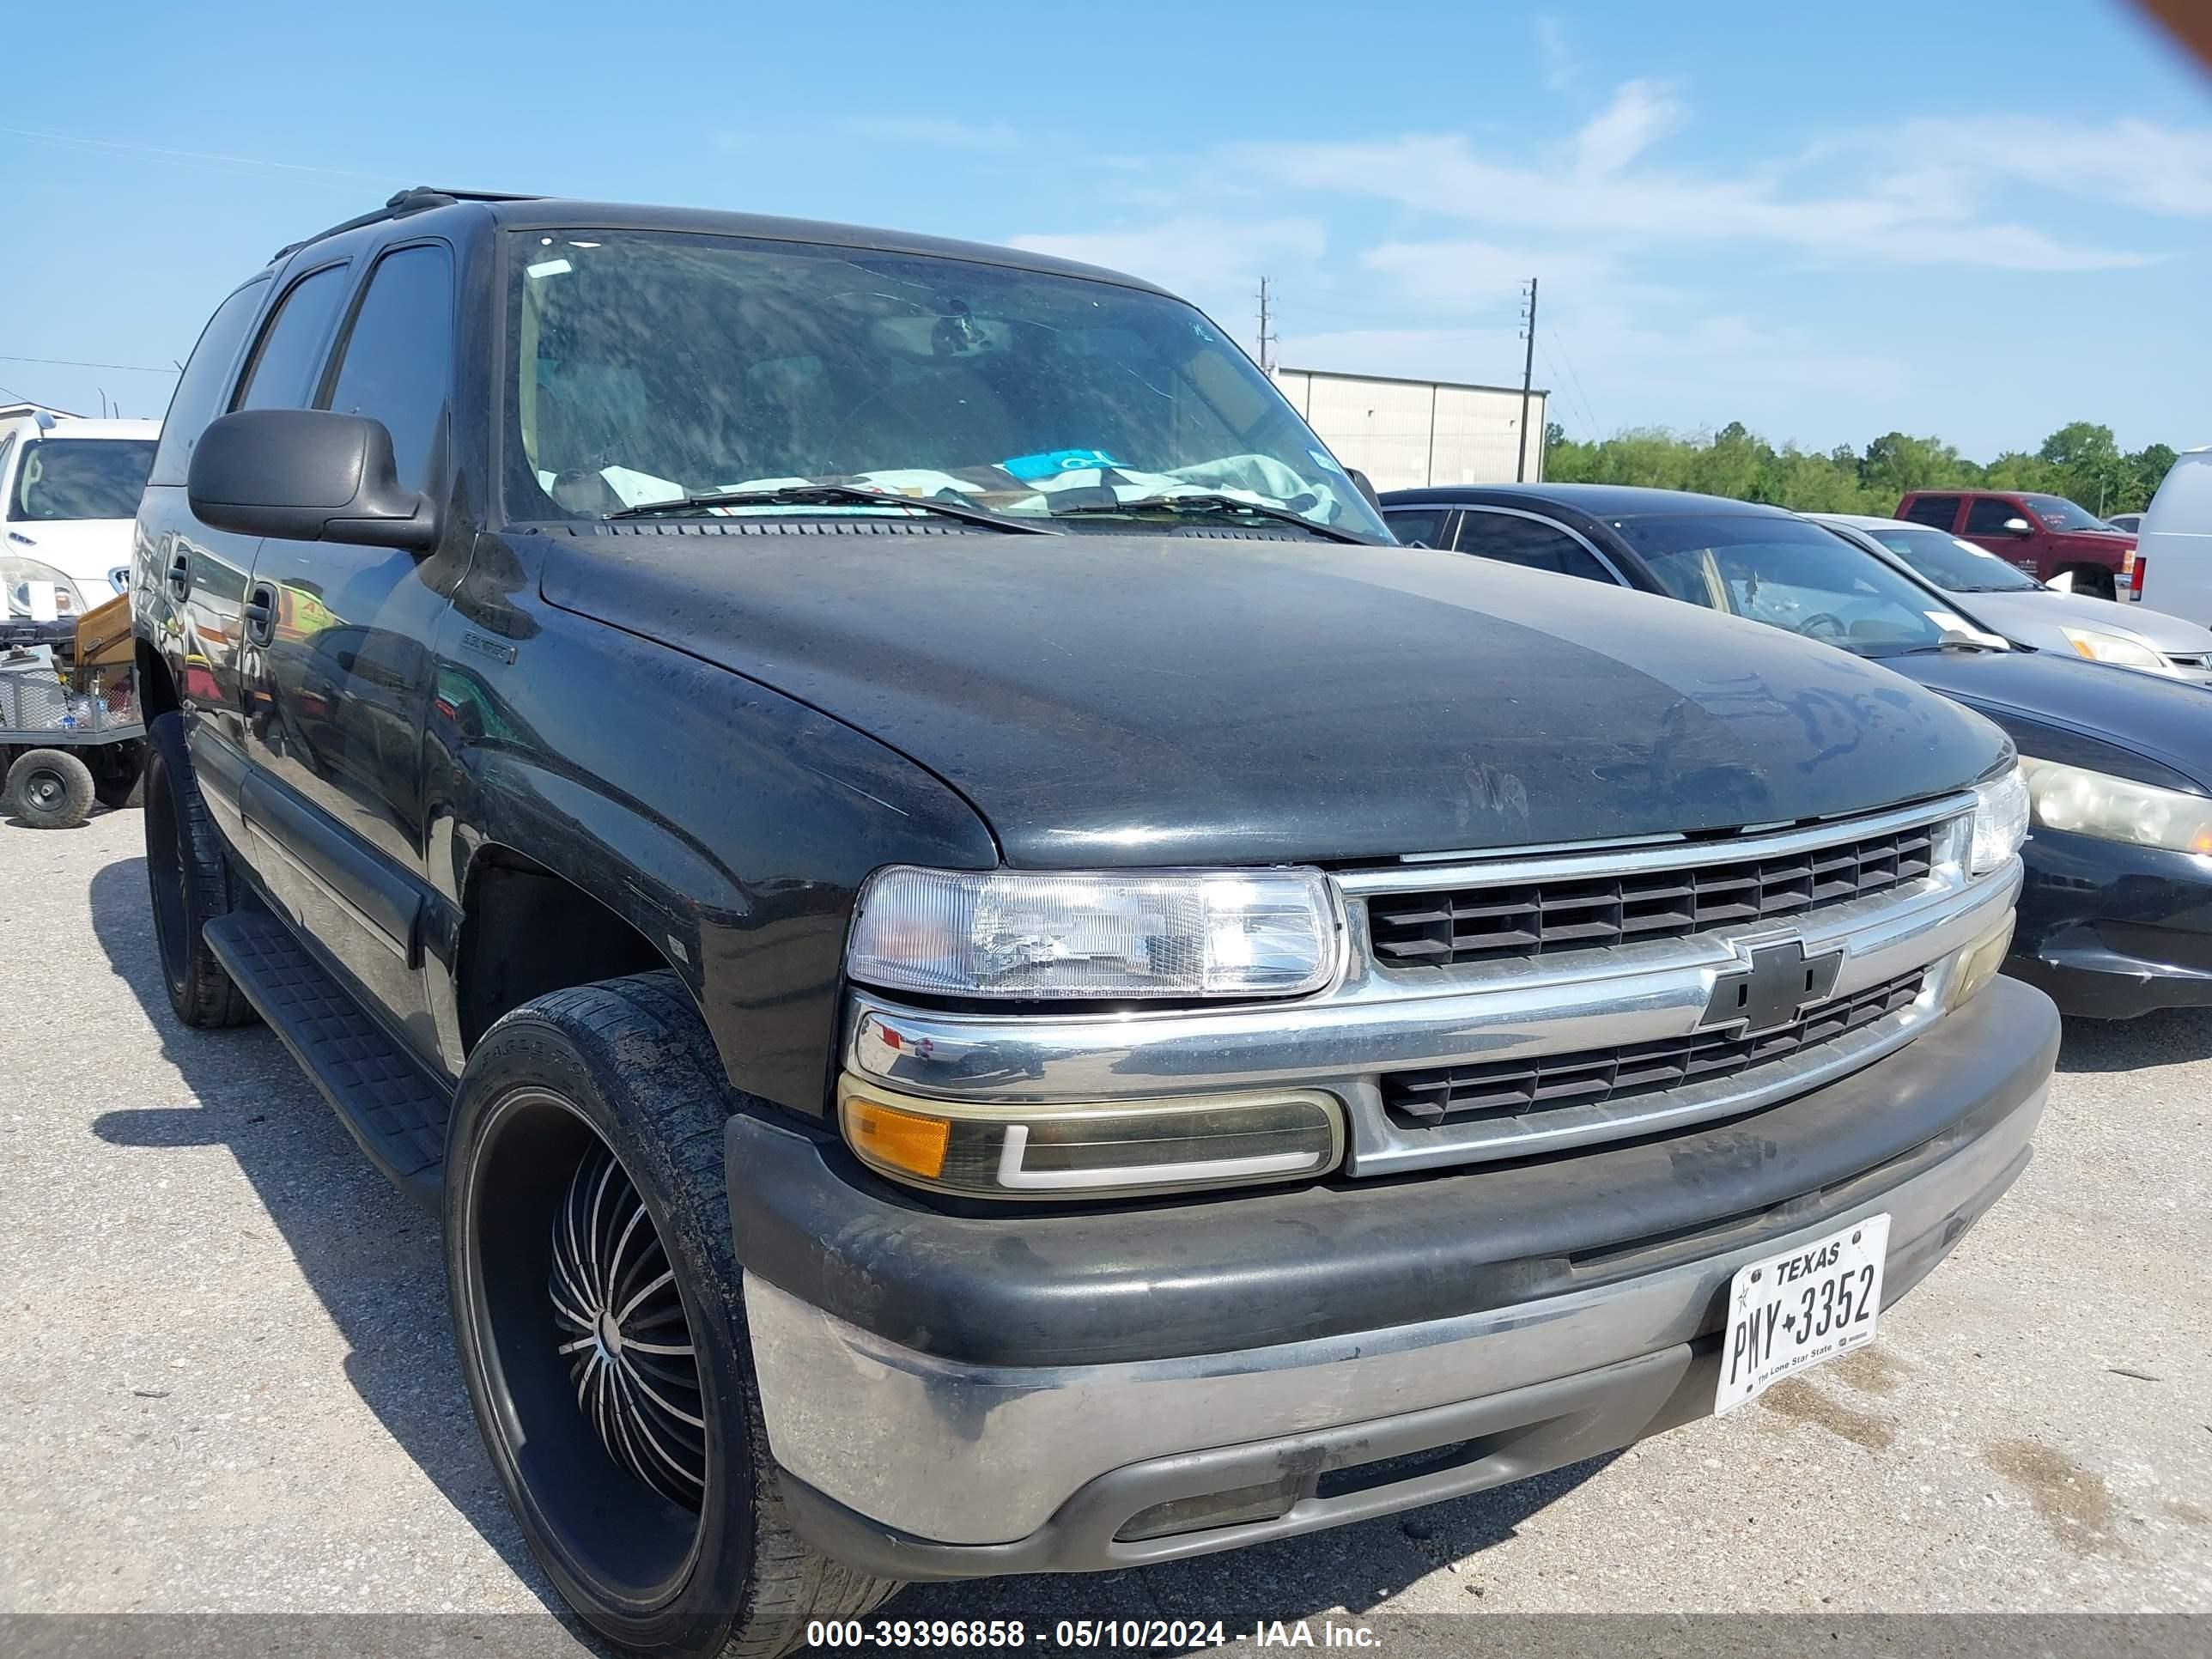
(1976, 221)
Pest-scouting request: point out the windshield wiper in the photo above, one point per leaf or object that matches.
(1207, 502)
(835, 495)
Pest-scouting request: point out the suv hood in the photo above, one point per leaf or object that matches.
(1167, 699)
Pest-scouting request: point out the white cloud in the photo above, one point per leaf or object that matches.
(1211, 260)
(1468, 275)
(937, 132)
(1603, 189)
(2161, 170)
(1638, 115)
(1561, 71)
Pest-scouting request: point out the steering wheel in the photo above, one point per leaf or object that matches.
(1823, 625)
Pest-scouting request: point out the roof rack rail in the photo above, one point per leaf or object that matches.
(417, 198)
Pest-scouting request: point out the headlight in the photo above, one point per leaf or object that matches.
(1159, 933)
(2096, 804)
(1102, 1149)
(2114, 649)
(17, 575)
(2000, 822)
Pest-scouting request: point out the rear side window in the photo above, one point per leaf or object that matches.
(1942, 511)
(1519, 541)
(284, 367)
(396, 354)
(206, 377)
(1987, 516)
(1422, 524)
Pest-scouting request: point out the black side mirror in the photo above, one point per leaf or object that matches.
(306, 475)
(1360, 481)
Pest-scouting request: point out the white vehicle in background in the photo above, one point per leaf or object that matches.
(2007, 600)
(2176, 535)
(68, 492)
(2130, 522)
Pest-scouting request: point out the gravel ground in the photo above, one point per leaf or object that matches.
(227, 1381)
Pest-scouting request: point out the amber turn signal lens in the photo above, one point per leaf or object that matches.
(883, 1134)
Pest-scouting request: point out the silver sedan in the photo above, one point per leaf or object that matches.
(2005, 600)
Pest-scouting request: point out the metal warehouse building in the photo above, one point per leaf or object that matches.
(1405, 433)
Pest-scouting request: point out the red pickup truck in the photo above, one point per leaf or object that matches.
(2046, 535)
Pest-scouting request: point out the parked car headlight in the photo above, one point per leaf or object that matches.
(2113, 648)
(17, 575)
(2000, 820)
(2079, 802)
(1100, 934)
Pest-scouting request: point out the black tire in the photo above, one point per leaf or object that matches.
(50, 789)
(188, 879)
(616, 1089)
(123, 785)
(2095, 581)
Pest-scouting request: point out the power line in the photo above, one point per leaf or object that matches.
(186, 154)
(71, 363)
(1566, 357)
(1567, 392)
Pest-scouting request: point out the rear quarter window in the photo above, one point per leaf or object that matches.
(200, 388)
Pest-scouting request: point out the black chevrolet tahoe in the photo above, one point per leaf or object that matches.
(987, 976)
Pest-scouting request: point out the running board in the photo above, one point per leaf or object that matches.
(395, 1108)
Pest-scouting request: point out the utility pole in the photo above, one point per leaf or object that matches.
(1528, 380)
(1267, 332)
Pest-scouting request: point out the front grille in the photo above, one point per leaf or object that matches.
(1528, 1087)
(1532, 919)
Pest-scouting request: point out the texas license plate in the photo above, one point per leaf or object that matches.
(1795, 1309)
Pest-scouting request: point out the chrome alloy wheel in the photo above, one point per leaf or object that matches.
(621, 1326)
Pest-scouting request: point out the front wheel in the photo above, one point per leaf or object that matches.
(596, 1303)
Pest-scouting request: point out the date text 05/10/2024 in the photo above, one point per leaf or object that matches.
(1167, 1635)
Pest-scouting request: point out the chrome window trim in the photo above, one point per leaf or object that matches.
(1612, 565)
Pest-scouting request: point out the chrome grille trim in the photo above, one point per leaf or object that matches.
(1374, 1021)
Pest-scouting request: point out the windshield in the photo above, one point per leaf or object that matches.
(81, 478)
(1955, 566)
(1793, 575)
(651, 367)
(2059, 513)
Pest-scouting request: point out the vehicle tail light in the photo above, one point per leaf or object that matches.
(2136, 564)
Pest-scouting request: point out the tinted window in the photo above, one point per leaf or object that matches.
(1794, 574)
(1942, 511)
(649, 367)
(1987, 516)
(81, 478)
(1955, 566)
(1423, 524)
(283, 369)
(396, 354)
(2061, 514)
(206, 378)
(1525, 541)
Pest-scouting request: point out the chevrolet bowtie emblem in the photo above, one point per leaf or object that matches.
(1777, 987)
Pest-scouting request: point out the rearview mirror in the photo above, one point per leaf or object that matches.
(1360, 483)
(306, 475)
(2061, 583)
(2018, 527)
